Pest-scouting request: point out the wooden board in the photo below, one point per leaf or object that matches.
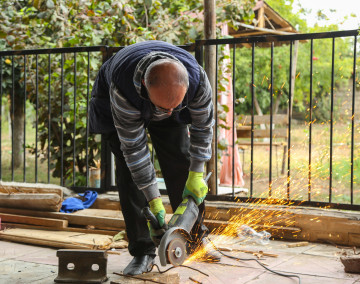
(58, 239)
(17, 187)
(86, 217)
(33, 201)
(11, 218)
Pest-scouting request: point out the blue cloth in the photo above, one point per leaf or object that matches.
(73, 204)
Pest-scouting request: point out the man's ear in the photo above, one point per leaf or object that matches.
(143, 81)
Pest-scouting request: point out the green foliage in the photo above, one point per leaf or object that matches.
(67, 23)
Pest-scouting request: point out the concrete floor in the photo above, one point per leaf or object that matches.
(315, 263)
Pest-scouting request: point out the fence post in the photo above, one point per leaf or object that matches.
(106, 165)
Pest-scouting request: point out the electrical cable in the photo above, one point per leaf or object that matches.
(253, 259)
(185, 266)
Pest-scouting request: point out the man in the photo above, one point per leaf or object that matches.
(156, 86)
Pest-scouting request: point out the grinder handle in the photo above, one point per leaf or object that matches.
(151, 218)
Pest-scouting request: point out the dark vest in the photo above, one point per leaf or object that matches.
(120, 69)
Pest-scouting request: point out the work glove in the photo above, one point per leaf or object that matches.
(157, 208)
(195, 187)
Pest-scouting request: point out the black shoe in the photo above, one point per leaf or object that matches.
(205, 251)
(139, 265)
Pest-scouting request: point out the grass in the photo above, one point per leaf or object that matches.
(299, 166)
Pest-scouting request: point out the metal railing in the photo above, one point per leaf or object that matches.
(289, 40)
(58, 70)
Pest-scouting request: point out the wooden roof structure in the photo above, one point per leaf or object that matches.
(269, 22)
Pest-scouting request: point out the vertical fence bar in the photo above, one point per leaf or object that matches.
(87, 120)
(216, 116)
(62, 123)
(12, 115)
(252, 118)
(233, 123)
(49, 117)
(24, 147)
(36, 115)
(271, 115)
(353, 125)
(1, 94)
(332, 117)
(290, 114)
(74, 136)
(310, 116)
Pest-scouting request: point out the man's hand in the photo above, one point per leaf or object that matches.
(196, 187)
(157, 208)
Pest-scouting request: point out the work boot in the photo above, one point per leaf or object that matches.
(139, 265)
(206, 250)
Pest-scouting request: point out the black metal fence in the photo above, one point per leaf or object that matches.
(50, 89)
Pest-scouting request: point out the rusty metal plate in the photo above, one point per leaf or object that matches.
(82, 266)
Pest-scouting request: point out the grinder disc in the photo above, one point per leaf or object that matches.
(176, 251)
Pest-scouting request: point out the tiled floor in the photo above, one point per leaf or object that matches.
(315, 263)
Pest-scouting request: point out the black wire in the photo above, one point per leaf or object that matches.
(249, 259)
(185, 266)
(273, 271)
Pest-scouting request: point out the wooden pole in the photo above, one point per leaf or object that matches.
(210, 69)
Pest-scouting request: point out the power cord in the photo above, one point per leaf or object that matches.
(253, 259)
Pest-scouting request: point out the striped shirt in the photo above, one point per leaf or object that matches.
(132, 134)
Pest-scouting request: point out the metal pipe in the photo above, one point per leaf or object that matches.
(49, 117)
(252, 118)
(12, 115)
(271, 115)
(353, 125)
(216, 121)
(62, 123)
(74, 135)
(332, 117)
(87, 119)
(24, 146)
(290, 113)
(36, 116)
(233, 122)
(310, 114)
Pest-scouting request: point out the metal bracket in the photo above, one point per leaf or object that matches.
(81, 266)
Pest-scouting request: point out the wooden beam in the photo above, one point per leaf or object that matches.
(264, 119)
(22, 219)
(93, 217)
(35, 201)
(210, 69)
(261, 19)
(58, 239)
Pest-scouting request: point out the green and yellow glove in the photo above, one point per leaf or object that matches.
(157, 208)
(195, 187)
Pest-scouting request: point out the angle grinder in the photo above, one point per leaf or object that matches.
(172, 248)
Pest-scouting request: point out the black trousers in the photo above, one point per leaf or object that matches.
(171, 142)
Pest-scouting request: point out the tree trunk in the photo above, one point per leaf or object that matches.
(18, 131)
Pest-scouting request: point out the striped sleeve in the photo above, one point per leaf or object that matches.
(132, 135)
(201, 129)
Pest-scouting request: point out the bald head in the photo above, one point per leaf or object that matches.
(167, 81)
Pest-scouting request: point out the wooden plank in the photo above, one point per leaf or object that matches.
(264, 119)
(82, 217)
(58, 239)
(264, 133)
(68, 229)
(261, 143)
(33, 201)
(33, 220)
(19, 187)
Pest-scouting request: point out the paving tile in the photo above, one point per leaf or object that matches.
(20, 272)
(9, 250)
(272, 278)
